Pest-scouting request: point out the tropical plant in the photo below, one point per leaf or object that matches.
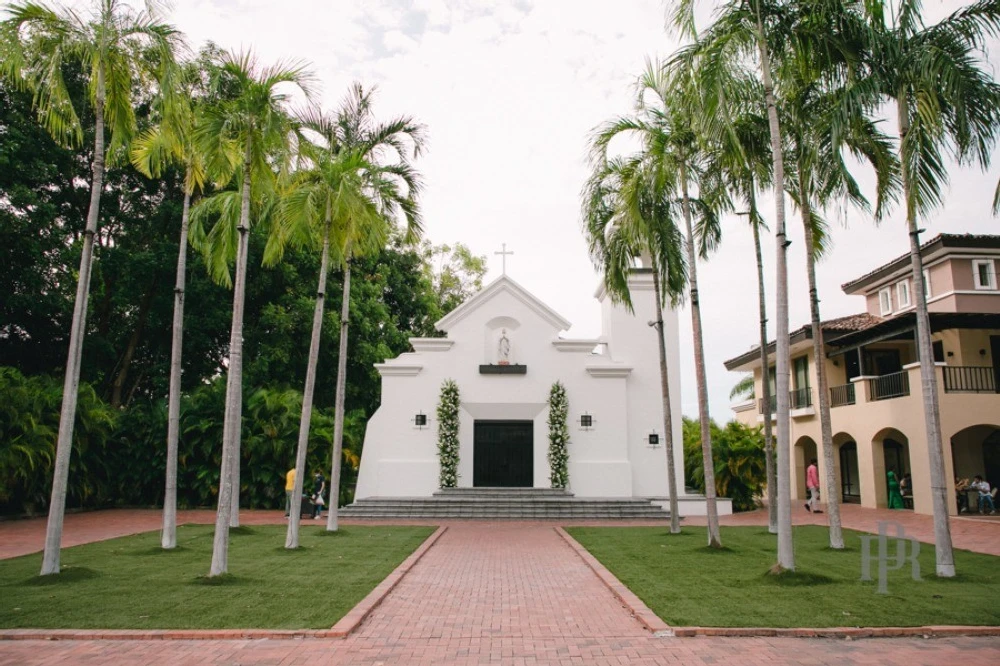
(243, 135)
(114, 45)
(946, 102)
(628, 214)
(171, 141)
(558, 437)
(752, 33)
(665, 126)
(740, 468)
(448, 443)
(362, 184)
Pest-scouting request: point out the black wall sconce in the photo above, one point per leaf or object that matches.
(420, 420)
(654, 439)
(982, 352)
(586, 421)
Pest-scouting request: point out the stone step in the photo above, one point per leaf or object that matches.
(505, 504)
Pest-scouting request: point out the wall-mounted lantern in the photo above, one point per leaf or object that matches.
(420, 420)
(653, 439)
(586, 421)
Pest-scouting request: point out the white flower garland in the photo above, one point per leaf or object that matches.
(447, 414)
(558, 437)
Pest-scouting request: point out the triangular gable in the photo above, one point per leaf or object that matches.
(500, 285)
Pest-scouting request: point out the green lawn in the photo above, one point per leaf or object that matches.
(130, 583)
(687, 584)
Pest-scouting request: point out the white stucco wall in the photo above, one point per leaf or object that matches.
(619, 388)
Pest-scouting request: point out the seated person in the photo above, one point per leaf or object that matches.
(985, 498)
(961, 485)
(906, 485)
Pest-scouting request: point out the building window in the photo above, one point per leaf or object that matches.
(983, 274)
(903, 294)
(885, 301)
(927, 284)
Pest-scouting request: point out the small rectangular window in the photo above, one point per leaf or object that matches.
(983, 274)
(903, 294)
(885, 301)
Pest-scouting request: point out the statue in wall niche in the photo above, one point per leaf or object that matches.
(503, 348)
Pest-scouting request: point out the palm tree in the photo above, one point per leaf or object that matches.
(759, 32)
(172, 142)
(820, 122)
(391, 189)
(668, 129)
(945, 102)
(346, 197)
(112, 44)
(243, 136)
(628, 213)
(740, 161)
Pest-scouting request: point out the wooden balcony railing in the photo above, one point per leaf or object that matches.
(842, 395)
(885, 387)
(969, 379)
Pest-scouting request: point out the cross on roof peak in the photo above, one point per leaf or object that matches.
(503, 255)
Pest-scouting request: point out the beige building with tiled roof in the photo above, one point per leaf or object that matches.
(874, 377)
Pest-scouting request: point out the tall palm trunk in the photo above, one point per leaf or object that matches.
(168, 539)
(822, 386)
(668, 417)
(71, 384)
(295, 512)
(944, 557)
(232, 425)
(712, 511)
(338, 426)
(786, 554)
(772, 491)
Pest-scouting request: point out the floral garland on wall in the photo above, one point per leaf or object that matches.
(447, 414)
(558, 437)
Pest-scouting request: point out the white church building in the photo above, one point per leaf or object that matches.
(504, 351)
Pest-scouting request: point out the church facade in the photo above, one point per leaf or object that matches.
(504, 351)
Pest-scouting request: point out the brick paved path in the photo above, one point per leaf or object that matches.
(504, 593)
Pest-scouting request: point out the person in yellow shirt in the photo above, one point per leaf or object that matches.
(289, 489)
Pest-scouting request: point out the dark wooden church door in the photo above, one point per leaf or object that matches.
(502, 454)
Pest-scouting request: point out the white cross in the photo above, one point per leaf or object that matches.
(503, 254)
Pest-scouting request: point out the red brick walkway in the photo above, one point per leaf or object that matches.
(503, 593)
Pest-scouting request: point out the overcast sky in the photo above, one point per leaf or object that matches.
(509, 91)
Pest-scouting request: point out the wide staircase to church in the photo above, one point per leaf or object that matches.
(505, 504)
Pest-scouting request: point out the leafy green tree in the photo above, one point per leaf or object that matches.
(455, 272)
(740, 468)
(113, 43)
(241, 135)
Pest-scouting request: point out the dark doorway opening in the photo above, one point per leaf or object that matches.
(850, 485)
(502, 454)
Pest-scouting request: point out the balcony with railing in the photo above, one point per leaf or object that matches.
(969, 379)
(842, 395)
(797, 399)
(885, 387)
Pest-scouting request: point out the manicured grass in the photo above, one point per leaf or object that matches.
(687, 584)
(130, 583)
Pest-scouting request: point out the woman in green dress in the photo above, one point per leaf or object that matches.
(895, 497)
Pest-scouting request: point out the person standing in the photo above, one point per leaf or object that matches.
(812, 484)
(289, 490)
(895, 497)
(319, 487)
